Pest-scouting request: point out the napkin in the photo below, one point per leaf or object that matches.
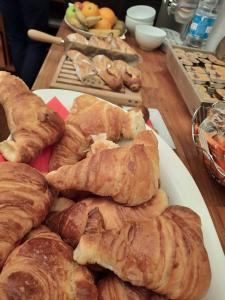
(42, 161)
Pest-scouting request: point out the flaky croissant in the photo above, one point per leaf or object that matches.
(84, 69)
(89, 116)
(111, 288)
(109, 74)
(25, 200)
(120, 45)
(32, 124)
(69, 218)
(165, 254)
(129, 174)
(131, 75)
(43, 268)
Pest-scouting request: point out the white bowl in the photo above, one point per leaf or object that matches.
(131, 24)
(141, 13)
(149, 37)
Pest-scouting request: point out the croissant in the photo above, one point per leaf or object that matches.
(109, 74)
(111, 288)
(165, 254)
(25, 200)
(69, 218)
(129, 174)
(84, 69)
(118, 44)
(32, 124)
(131, 75)
(43, 268)
(98, 42)
(89, 116)
(76, 37)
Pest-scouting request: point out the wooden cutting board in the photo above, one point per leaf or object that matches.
(65, 78)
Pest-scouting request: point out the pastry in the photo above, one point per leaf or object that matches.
(131, 75)
(108, 73)
(197, 70)
(201, 54)
(215, 60)
(204, 94)
(84, 69)
(129, 174)
(204, 61)
(217, 77)
(118, 44)
(186, 62)
(199, 78)
(165, 254)
(43, 268)
(98, 42)
(25, 200)
(78, 38)
(179, 53)
(33, 126)
(90, 116)
(111, 288)
(68, 219)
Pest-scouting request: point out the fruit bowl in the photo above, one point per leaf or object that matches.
(87, 19)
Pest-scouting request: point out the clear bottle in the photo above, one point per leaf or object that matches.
(202, 23)
(185, 10)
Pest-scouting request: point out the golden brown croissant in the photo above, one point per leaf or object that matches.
(43, 268)
(120, 45)
(70, 220)
(105, 69)
(77, 37)
(129, 174)
(32, 124)
(98, 42)
(165, 254)
(89, 116)
(84, 69)
(25, 201)
(131, 75)
(111, 288)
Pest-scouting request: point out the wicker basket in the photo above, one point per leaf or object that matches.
(213, 168)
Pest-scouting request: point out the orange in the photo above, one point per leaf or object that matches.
(90, 9)
(107, 13)
(103, 24)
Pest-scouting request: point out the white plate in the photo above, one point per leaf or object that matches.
(87, 33)
(182, 190)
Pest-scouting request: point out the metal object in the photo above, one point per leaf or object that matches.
(199, 116)
(176, 14)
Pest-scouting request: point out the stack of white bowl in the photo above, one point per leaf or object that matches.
(139, 15)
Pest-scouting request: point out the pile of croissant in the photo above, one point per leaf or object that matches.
(109, 42)
(101, 71)
(116, 238)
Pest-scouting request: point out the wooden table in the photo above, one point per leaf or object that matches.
(160, 91)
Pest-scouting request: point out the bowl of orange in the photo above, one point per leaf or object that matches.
(88, 19)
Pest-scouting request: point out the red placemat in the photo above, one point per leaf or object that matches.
(42, 161)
